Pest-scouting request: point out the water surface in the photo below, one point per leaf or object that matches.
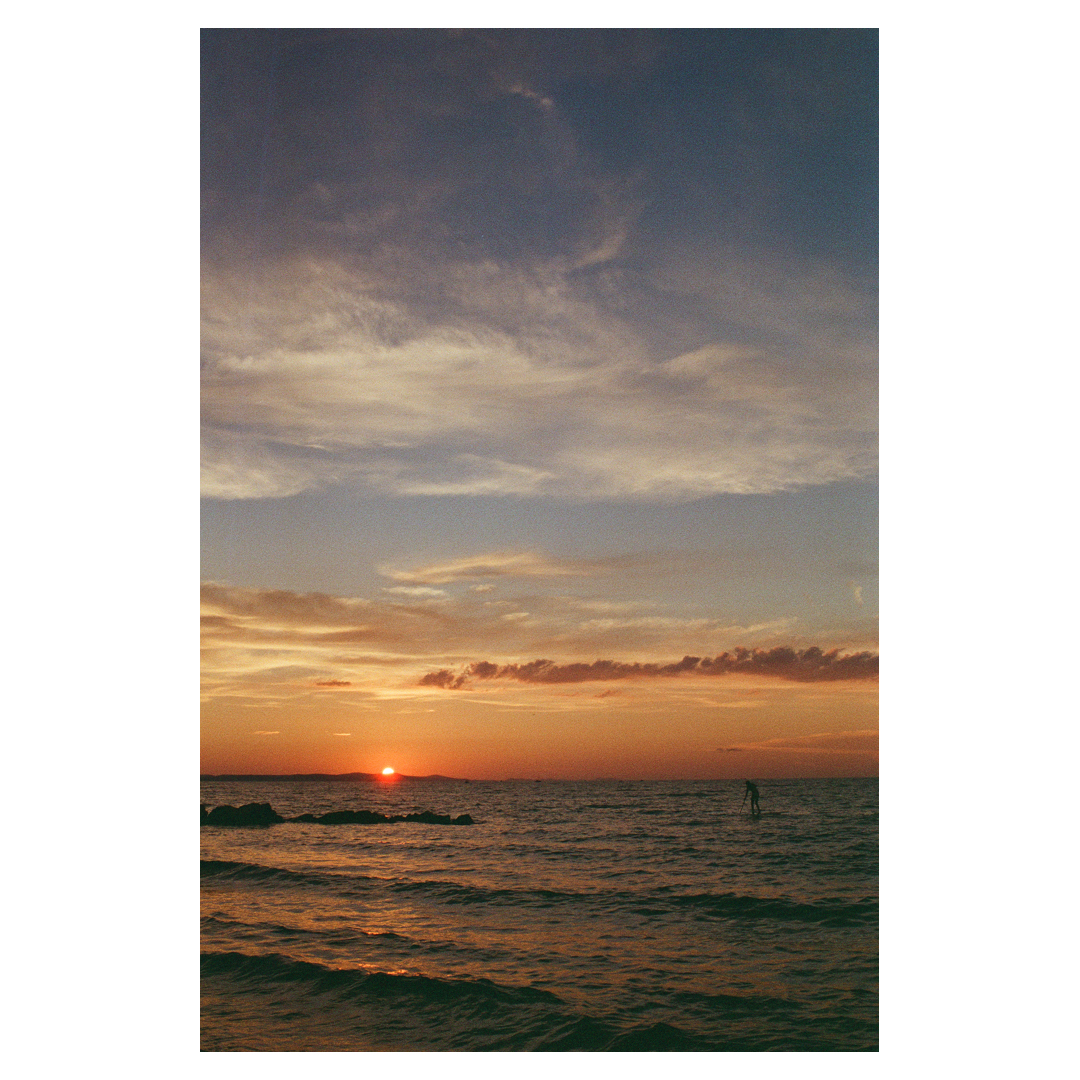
(571, 916)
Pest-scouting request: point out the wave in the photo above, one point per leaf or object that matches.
(826, 912)
(337, 935)
(833, 912)
(587, 1033)
(225, 870)
(210, 868)
(452, 892)
(498, 1017)
(359, 983)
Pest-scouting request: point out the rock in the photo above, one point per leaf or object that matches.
(264, 814)
(352, 817)
(250, 814)
(429, 817)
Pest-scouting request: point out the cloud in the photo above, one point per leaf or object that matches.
(449, 281)
(266, 733)
(275, 645)
(807, 665)
(497, 564)
(523, 391)
(477, 475)
(830, 742)
(230, 605)
(445, 679)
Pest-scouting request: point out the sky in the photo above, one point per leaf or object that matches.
(539, 428)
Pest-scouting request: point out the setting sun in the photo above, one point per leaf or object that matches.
(388, 771)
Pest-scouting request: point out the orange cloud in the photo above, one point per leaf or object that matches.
(827, 742)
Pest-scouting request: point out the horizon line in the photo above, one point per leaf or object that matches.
(509, 779)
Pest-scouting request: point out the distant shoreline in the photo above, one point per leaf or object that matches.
(326, 776)
(379, 778)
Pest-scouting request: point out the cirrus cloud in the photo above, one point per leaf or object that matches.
(522, 311)
(496, 564)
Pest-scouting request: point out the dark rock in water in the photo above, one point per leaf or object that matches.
(429, 817)
(352, 817)
(202, 814)
(264, 814)
(249, 814)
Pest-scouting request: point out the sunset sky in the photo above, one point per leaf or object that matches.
(539, 402)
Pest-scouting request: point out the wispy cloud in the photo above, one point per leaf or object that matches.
(574, 403)
(497, 564)
(504, 317)
(829, 742)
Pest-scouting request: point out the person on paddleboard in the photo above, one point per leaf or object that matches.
(752, 791)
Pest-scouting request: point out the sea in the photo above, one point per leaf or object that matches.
(622, 916)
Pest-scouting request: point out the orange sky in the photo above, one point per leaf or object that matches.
(689, 726)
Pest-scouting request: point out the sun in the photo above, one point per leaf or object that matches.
(388, 771)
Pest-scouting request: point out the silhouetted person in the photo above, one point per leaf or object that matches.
(751, 790)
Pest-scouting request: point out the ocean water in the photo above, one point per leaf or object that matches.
(598, 916)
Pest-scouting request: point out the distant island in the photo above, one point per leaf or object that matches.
(344, 777)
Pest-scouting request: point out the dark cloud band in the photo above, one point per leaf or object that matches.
(807, 665)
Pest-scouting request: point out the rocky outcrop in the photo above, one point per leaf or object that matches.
(264, 814)
(250, 814)
(349, 817)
